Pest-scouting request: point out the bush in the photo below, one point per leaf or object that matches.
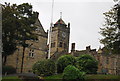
(8, 70)
(44, 68)
(64, 61)
(87, 64)
(71, 72)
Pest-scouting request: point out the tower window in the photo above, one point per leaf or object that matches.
(60, 45)
(53, 44)
(65, 46)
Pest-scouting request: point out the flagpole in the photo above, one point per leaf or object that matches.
(51, 24)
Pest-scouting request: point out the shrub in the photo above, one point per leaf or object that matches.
(71, 72)
(87, 64)
(64, 61)
(8, 70)
(45, 67)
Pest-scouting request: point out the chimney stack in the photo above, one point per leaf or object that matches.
(88, 48)
(73, 47)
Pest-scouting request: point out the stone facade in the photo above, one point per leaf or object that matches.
(107, 64)
(60, 38)
(38, 50)
(33, 53)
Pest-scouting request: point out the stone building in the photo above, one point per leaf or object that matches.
(59, 39)
(37, 50)
(107, 64)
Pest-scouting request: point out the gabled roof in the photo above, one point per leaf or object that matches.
(40, 27)
(60, 21)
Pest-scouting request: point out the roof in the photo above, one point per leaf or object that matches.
(60, 21)
(40, 27)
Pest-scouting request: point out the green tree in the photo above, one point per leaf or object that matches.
(27, 17)
(64, 61)
(18, 27)
(44, 67)
(87, 63)
(73, 73)
(111, 31)
(9, 28)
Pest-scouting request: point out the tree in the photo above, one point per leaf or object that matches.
(18, 27)
(73, 73)
(9, 28)
(64, 61)
(45, 67)
(87, 63)
(111, 31)
(27, 17)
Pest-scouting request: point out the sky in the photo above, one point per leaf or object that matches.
(85, 17)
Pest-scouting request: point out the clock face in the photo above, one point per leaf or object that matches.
(64, 34)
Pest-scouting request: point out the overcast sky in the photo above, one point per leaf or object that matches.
(85, 16)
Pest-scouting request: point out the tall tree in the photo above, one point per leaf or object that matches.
(9, 29)
(111, 31)
(18, 27)
(27, 17)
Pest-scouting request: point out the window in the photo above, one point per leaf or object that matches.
(65, 46)
(107, 60)
(53, 44)
(32, 50)
(31, 53)
(60, 44)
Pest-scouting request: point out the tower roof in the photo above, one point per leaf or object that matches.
(60, 21)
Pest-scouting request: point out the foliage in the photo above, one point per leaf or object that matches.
(9, 28)
(8, 70)
(111, 31)
(64, 61)
(45, 67)
(87, 63)
(71, 72)
(18, 27)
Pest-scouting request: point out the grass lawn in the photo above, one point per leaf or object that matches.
(59, 76)
(102, 77)
(11, 78)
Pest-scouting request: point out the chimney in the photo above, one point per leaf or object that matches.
(73, 47)
(68, 25)
(88, 48)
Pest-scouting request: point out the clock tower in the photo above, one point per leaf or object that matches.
(60, 37)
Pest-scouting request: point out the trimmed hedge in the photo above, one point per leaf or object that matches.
(8, 70)
(44, 68)
(64, 61)
(72, 73)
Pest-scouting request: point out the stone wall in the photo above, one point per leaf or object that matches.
(36, 51)
(107, 64)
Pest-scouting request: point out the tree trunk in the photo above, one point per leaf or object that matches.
(4, 60)
(23, 59)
